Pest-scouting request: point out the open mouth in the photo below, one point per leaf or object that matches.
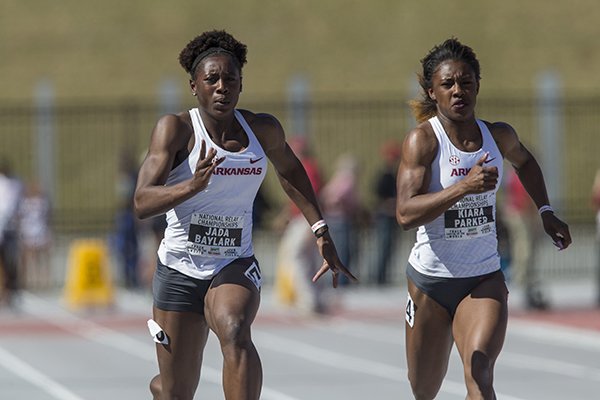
(221, 105)
(459, 105)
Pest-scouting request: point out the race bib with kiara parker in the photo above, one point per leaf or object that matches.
(471, 217)
(215, 235)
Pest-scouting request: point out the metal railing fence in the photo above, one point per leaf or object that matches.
(90, 138)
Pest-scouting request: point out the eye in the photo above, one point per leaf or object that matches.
(231, 78)
(211, 79)
(468, 82)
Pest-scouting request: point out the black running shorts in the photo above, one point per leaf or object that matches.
(174, 291)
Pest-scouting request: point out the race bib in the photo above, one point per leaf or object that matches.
(472, 217)
(215, 235)
(410, 311)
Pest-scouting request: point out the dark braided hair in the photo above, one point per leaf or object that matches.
(425, 107)
(215, 39)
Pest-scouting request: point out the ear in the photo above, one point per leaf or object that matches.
(193, 86)
(431, 94)
(241, 85)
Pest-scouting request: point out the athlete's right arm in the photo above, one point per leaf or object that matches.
(415, 205)
(170, 138)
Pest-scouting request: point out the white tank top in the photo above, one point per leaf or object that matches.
(208, 231)
(462, 241)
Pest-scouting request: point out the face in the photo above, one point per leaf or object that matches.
(454, 89)
(217, 84)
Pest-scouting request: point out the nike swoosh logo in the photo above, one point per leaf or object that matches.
(485, 162)
(255, 161)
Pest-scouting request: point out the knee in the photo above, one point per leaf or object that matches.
(234, 332)
(156, 387)
(423, 389)
(180, 391)
(423, 392)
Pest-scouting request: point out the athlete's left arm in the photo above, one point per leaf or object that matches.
(530, 174)
(296, 184)
(289, 169)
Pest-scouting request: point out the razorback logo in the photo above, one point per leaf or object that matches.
(460, 171)
(237, 171)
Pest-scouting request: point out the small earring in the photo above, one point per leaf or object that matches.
(194, 94)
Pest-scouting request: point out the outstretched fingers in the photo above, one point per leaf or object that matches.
(208, 159)
(348, 274)
(207, 162)
(203, 150)
(335, 272)
(324, 268)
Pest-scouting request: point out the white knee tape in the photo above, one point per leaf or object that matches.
(157, 333)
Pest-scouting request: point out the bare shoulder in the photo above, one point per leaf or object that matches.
(173, 129)
(420, 144)
(500, 129)
(422, 133)
(504, 135)
(266, 127)
(177, 121)
(260, 121)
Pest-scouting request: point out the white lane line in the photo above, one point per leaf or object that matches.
(543, 364)
(111, 338)
(554, 334)
(380, 333)
(18, 367)
(537, 331)
(330, 358)
(370, 331)
(356, 364)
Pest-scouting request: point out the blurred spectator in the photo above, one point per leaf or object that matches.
(596, 207)
(125, 242)
(152, 235)
(150, 231)
(522, 221)
(343, 210)
(125, 236)
(36, 238)
(10, 198)
(298, 258)
(126, 177)
(386, 227)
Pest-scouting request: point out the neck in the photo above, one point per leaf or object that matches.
(465, 135)
(463, 129)
(219, 129)
(225, 132)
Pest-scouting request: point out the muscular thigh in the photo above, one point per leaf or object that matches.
(234, 295)
(428, 336)
(178, 310)
(481, 319)
(180, 359)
